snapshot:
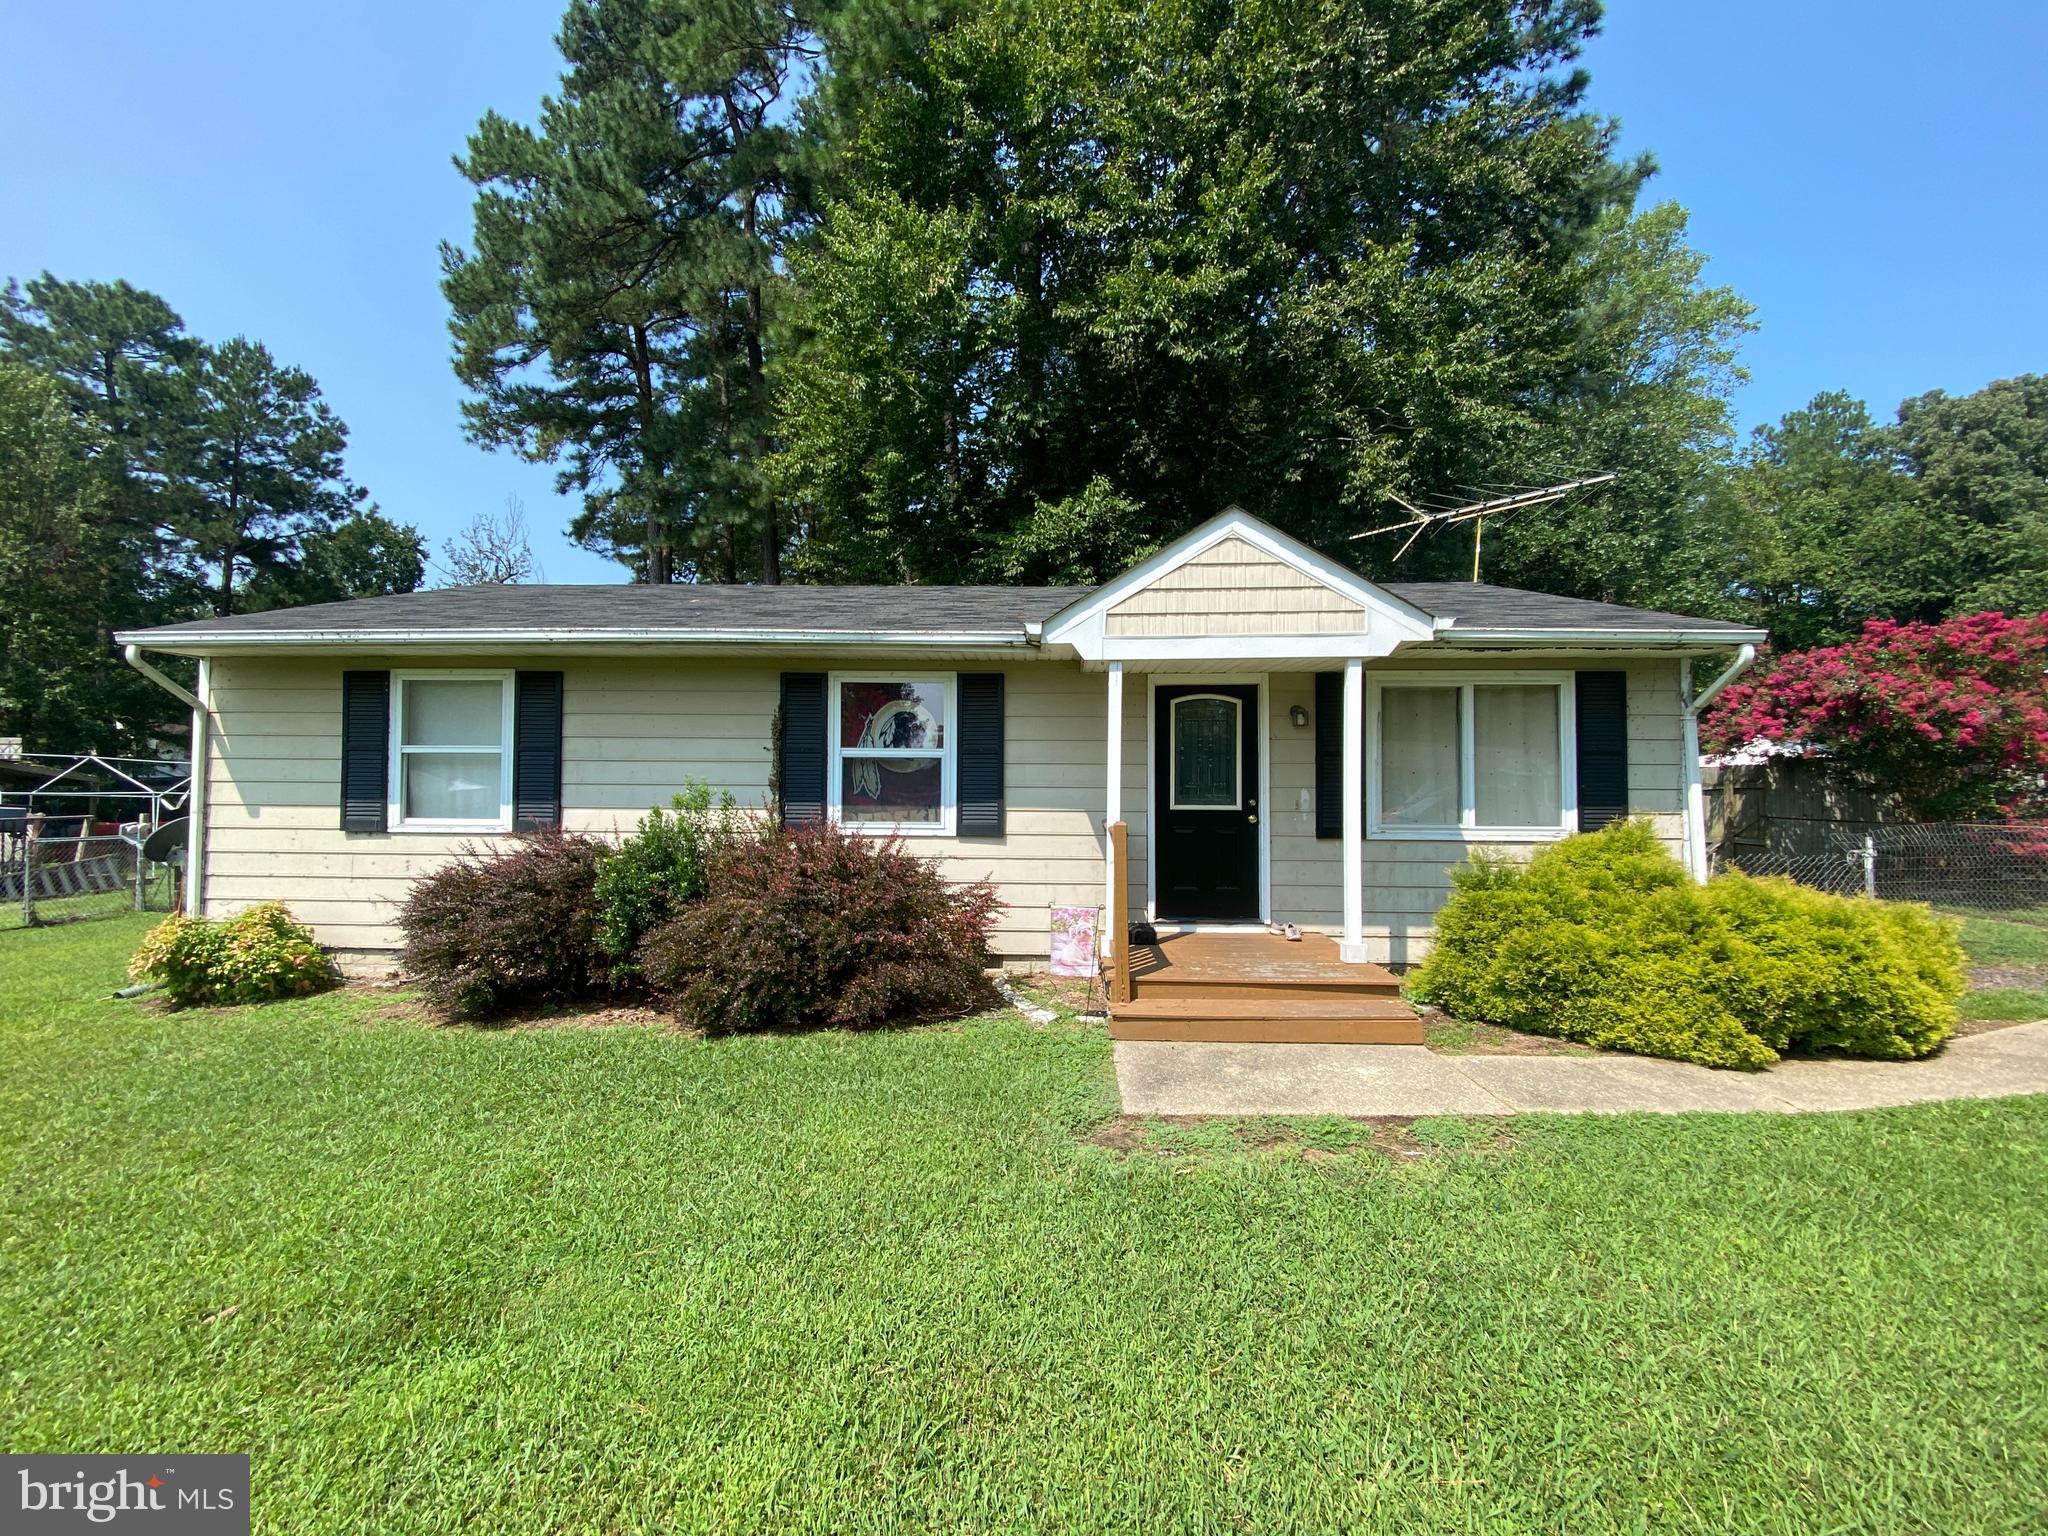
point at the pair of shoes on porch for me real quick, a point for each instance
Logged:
(1286, 931)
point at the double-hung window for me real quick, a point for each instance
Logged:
(451, 751)
(893, 763)
(1471, 756)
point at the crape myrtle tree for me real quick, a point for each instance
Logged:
(1951, 717)
(615, 311)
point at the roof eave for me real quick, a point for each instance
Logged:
(1667, 639)
(205, 642)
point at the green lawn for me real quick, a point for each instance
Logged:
(2015, 942)
(612, 1280)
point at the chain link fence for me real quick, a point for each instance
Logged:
(1974, 866)
(79, 873)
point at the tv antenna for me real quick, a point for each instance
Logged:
(1431, 512)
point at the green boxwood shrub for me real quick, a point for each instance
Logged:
(1605, 939)
(256, 956)
(666, 862)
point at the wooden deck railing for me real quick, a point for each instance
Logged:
(1119, 916)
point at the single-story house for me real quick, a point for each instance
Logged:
(1256, 734)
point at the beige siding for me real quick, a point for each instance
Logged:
(632, 732)
(1234, 588)
(1405, 882)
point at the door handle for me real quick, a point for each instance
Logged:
(1254, 820)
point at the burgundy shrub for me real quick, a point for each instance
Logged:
(507, 927)
(820, 928)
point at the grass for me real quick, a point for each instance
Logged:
(2016, 944)
(616, 1280)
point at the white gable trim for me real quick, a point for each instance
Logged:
(1390, 622)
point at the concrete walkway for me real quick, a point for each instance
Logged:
(1167, 1078)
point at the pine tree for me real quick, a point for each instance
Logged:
(616, 309)
(259, 468)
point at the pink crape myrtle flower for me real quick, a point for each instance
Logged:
(1951, 717)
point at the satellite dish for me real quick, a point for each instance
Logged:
(166, 845)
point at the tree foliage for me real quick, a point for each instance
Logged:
(1841, 519)
(184, 479)
(1950, 717)
(614, 311)
(1172, 256)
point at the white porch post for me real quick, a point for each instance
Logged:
(1353, 949)
(1113, 800)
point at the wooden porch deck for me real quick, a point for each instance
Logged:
(1259, 987)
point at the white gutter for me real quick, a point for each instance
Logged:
(132, 654)
(195, 798)
(1695, 793)
(1719, 639)
(185, 641)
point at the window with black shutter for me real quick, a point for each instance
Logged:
(981, 754)
(537, 751)
(1602, 699)
(800, 762)
(365, 750)
(1329, 727)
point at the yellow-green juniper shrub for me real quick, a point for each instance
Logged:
(1604, 939)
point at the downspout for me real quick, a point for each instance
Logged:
(1695, 793)
(195, 800)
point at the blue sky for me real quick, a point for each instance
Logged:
(1868, 173)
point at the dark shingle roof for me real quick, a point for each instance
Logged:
(598, 611)
(1476, 605)
(825, 610)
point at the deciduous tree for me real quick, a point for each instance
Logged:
(1950, 717)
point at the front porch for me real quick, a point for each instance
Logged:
(1253, 987)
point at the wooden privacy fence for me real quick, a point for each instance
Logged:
(1789, 808)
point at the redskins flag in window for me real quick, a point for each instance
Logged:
(892, 743)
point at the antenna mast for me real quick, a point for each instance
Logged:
(1438, 513)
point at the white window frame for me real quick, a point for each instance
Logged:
(948, 755)
(1468, 828)
(395, 816)
(1173, 802)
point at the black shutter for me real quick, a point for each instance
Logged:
(365, 749)
(800, 770)
(1603, 748)
(1329, 754)
(537, 751)
(981, 754)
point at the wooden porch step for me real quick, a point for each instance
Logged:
(1269, 1020)
(1361, 981)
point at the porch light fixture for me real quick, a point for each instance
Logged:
(1299, 715)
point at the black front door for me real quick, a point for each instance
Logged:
(1206, 773)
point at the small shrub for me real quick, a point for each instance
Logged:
(1606, 940)
(507, 927)
(256, 956)
(665, 863)
(823, 928)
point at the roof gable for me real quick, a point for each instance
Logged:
(1232, 584)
